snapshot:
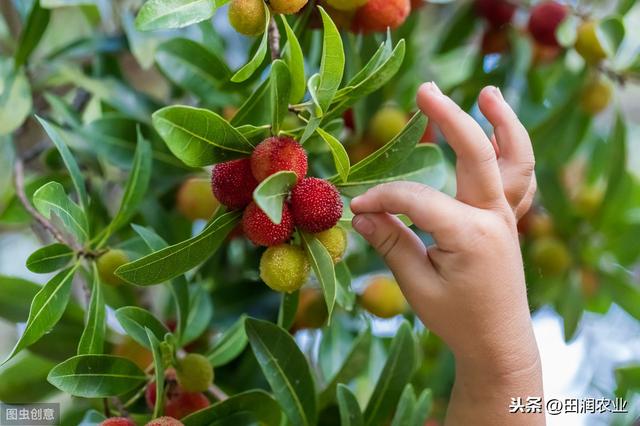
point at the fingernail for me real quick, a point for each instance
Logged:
(363, 225)
(497, 93)
(435, 88)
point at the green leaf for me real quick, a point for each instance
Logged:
(250, 407)
(15, 97)
(286, 369)
(177, 259)
(229, 345)
(162, 14)
(288, 308)
(96, 376)
(422, 409)
(193, 67)
(136, 321)
(200, 313)
(345, 296)
(458, 29)
(405, 408)
(32, 33)
(332, 63)
(256, 108)
(610, 32)
(295, 60)
(49, 258)
(92, 340)
(47, 308)
(25, 379)
(51, 198)
(199, 137)
(280, 92)
(350, 413)
(340, 156)
(16, 295)
(426, 165)
(397, 371)
(136, 187)
(158, 367)
(323, 267)
(58, 140)
(353, 364)
(272, 192)
(254, 63)
(92, 418)
(391, 154)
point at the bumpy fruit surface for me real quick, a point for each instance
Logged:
(284, 267)
(335, 241)
(386, 124)
(346, 5)
(496, 12)
(315, 205)
(261, 231)
(117, 421)
(247, 16)
(195, 200)
(312, 310)
(544, 20)
(195, 373)
(165, 421)
(550, 256)
(278, 154)
(596, 96)
(108, 263)
(383, 298)
(587, 43)
(378, 15)
(178, 402)
(233, 183)
(287, 6)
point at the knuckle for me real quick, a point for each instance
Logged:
(388, 245)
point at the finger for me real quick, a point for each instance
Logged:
(516, 153)
(478, 175)
(430, 210)
(401, 249)
(527, 200)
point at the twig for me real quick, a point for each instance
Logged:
(18, 178)
(218, 393)
(274, 39)
(105, 405)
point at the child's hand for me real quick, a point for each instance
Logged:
(469, 287)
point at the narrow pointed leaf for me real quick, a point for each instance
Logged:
(254, 63)
(350, 413)
(250, 407)
(51, 198)
(92, 340)
(163, 14)
(340, 156)
(323, 267)
(272, 192)
(405, 408)
(288, 308)
(15, 97)
(32, 32)
(229, 345)
(158, 367)
(136, 321)
(332, 63)
(280, 92)
(295, 60)
(49, 258)
(422, 409)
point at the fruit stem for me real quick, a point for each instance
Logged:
(217, 393)
(274, 39)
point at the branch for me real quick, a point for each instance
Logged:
(218, 393)
(18, 178)
(274, 39)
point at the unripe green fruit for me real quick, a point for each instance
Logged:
(588, 201)
(383, 298)
(550, 256)
(335, 241)
(194, 373)
(195, 200)
(596, 96)
(588, 45)
(386, 124)
(284, 267)
(287, 7)
(346, 5)
(108, 263)
(247, 16)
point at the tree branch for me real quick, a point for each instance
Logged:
(274, 40)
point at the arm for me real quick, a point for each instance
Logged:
(469, 286)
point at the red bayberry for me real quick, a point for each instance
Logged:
(117, 421)
(544, 20)
(233, 183)
(278, 154)
(496, 12)
(315, 205)
(262, 231)
(378, 15)
(165, 421)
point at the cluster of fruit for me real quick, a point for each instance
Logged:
(544, 20)
(313, 206)
(184, 389)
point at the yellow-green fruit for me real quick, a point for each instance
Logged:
(550, 256)
(383, 298)
(335, 241)
(386, 124)
(587, 43)
(195, 199)
(194, 373)
(596, 96)
(287, 6)
(284, 267)
(588, 200)
(108, 263)
(346, 5)
(247, 16)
